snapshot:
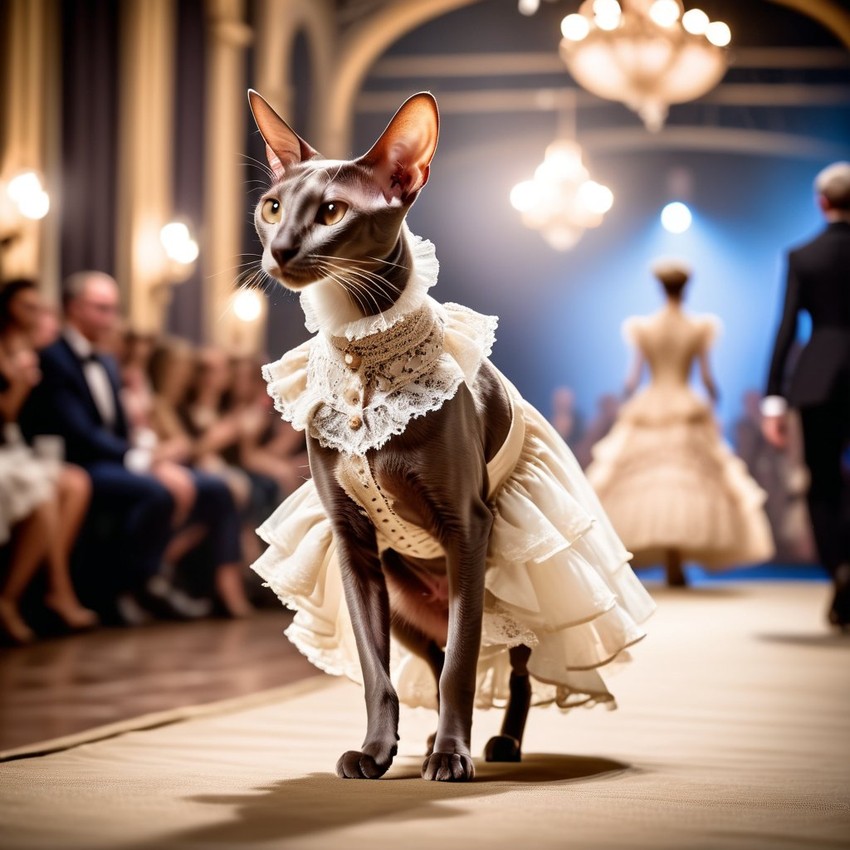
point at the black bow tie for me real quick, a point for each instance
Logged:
(92, 357)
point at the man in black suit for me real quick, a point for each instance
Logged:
(819, 282)
(78, 399)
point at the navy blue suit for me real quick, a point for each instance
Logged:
(132, 510)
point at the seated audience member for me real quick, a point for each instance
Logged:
(42, 500)
(269, 451)
(134, 351)
(214, 430)
(171, 369)
(78, 399)
(268, 445)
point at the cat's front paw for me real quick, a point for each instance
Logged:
(359, 765)
(448, 767)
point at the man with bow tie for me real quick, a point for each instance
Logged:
(78, 399)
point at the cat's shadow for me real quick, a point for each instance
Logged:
(321, 802)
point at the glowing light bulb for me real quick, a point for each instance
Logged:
(606, 14)
(23, 185)
(676, 217)
(247, 305)
(524, 196)
(695, 21)
(28, 195)
(595, 197)
(35, 206)
(178, 243)
(528, 7)
(718, 33)
(665, 13)
(575, 27)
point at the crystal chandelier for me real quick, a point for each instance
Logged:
(561, 201)
(647, 54)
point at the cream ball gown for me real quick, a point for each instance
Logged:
(664, 474)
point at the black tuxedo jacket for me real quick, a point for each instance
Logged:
(63, 404)
(818, 282)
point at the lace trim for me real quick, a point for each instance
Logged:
(352, 391)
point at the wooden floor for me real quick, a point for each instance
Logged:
(65, 685)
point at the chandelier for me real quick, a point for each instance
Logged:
(561, 201)
(646, 54)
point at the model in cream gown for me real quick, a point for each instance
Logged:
(671, 486)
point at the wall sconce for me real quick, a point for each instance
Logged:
(247, 305)
(28, 195)
(180, 249)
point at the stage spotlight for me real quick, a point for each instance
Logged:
(676, 217)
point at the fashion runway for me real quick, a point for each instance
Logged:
(733, 731)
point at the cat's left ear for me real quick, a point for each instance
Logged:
(401, 158)
(284, 147)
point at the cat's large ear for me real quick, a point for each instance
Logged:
(401, 158)
(284, 147)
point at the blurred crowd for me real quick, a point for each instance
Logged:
(134, 468)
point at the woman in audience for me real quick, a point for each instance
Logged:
(269, 451)
(134, 352)
(268, 446)
(171, 369)
(42, 501)
(215, 431)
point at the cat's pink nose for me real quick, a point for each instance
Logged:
(284, 255)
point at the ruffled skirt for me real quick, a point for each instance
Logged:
(558, 581)
(673, 483)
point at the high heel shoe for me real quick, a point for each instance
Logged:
(72, 615)
(13, 629)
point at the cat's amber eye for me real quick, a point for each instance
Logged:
(270, 211)
(331, 212)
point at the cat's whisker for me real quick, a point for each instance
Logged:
(357, 290)
(388, 263)
(365, 283)
(352, 292)
(251, 281)
(366, 275)
(260, 164)
(374, 281)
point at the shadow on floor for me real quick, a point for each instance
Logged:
(815, 639)
(320, 802)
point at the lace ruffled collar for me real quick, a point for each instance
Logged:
(318, 299)
(357, 384)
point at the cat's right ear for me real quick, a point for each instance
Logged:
(401, 158)
(284, 147)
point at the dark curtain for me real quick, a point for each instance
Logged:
(186, 314)
(89, 134)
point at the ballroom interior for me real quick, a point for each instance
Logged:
(127, 146)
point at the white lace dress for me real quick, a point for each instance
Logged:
(25, 480)
(558, 578)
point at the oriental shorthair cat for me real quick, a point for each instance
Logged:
(338, 225)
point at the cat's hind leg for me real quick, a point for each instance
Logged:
(507, 746)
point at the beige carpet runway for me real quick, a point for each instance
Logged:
(733, 731)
